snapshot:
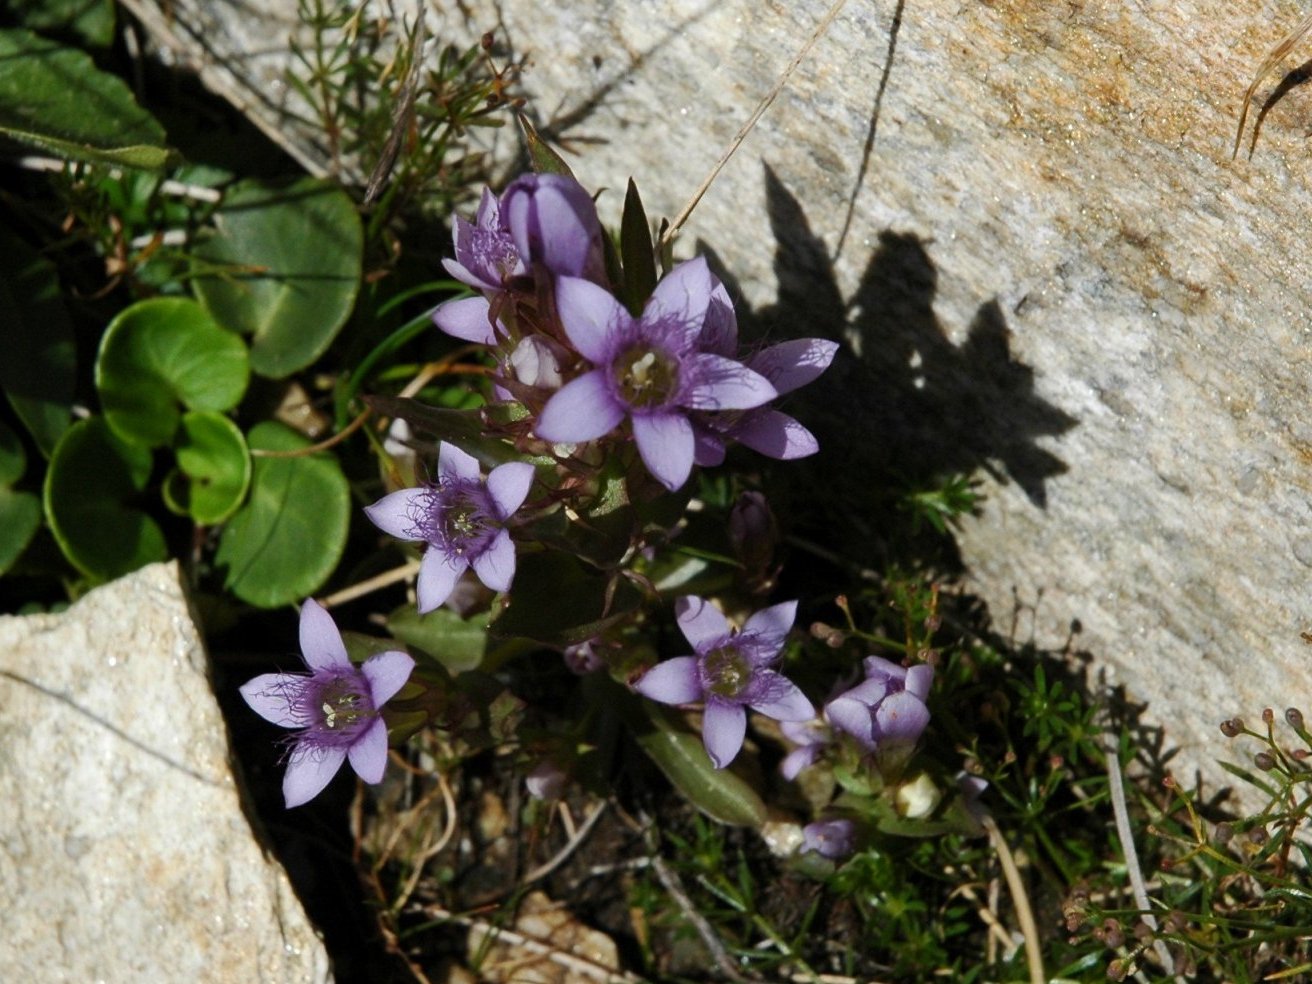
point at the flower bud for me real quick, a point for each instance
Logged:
(918, 798)
(1264, 761)
(546, 780)
(753, 533)
(1268, 715)
(553, 221)
(1231, 727)
(1295, 718)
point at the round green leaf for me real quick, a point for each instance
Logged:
(158, 354)
(283, 266)
(37, 369)
(93, 476)
(56, 99)
(20, 517)
(13, 460)
(214, 469)
(288, 537)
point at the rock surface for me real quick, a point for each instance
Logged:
(1025, 219)
(125, 854)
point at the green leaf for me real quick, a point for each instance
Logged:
(457, 644)
(90, 486)
(214, 469)
(557, 601)
(158, 354)
(542, 158)
(719, 793)
(20, 512)
(37, 369)
(20, 518)
(283, 266)
(90, 20)
(285, 542)
(636, 252)
(55, 99)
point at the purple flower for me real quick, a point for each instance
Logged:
(730, 671)
(833, 839)
(654, 370)
(336, 707)
(888, 707)
(462, 519)
(811, 738)
(541, 220)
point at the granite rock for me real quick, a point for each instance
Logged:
(125, 851)
(1025, 221)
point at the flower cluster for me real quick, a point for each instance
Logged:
(596, 370)
(669, 378)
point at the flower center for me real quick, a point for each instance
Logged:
(725, 671)
(342, 705)
(495, 251)
(458, 517)
(646, 377)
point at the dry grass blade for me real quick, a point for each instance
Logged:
(1265, 69)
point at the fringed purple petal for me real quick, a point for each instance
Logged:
(438, 574)
(495, 566)
(454, 464)
(394, 514)
(468, 319)
(590, 316)
(682, 297)
(720, 329)
(775, 435)
(773, 622)
(508, 485)
(310, 769)
(489, 210)
(321, 643)
(786, 702)
(368, 753)
(272, 696)
(581, 410)
(723, 384)
(387, 673)
(723, 729)
(789, 365)
(675, 681)
(701, 623)
(665, 444)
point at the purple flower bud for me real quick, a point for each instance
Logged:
(833, 839)
(753, 533)
(462, 519)
(553, 222)
(888, 707)
(730, 671)
(335, 707)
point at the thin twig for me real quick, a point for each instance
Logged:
(1272, 59)
(375, 583)
(546, 868)
(323, 445)
(1117, 786)
(580, 965)
(668, 235)
(1024, 914)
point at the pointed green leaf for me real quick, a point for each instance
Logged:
(162, 354)
(37, 369)
(636, 252)
(283, 266)
(93, 478)
(542, 158)
(287, 540)
(214, 469)
(55, 99)
(719, 793)
(90, 20)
